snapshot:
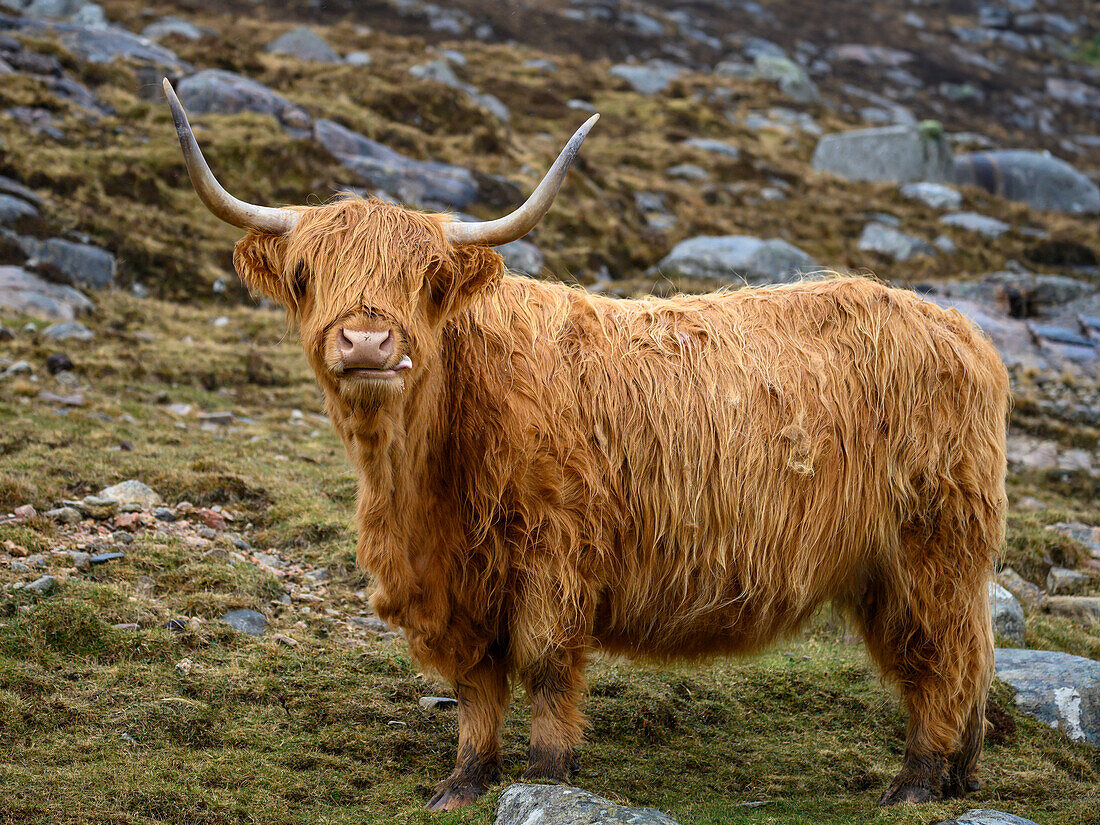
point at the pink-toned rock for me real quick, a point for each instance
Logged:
(211, 519)
(127, 521)
(25, 512)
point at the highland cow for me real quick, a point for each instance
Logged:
(544, 472)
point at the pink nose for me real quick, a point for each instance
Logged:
(365, 349)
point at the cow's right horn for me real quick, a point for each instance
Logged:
(231, 210)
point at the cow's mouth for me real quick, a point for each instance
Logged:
(398, 370)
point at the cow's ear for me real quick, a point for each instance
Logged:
(468, 270)
(258, 259)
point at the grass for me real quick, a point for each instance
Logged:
(101, 726)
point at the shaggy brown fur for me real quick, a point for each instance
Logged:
(562, 472)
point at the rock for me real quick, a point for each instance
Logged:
(164, 514)
(172, 26)
(731, 258)
(18, 368)
(18, 190)
(98, 507)
(1064, 582)
(933, 195)
(103, 44)
(441, 72)
(358, 58)
(1084, 533)
(58, 362)
(1023, 294)
(80, 264)
(893, 243)
(1028, 593)
(66, 330)
(18, 214)
(1038, 179)
(426, 183)
(791, 78)
(651, 78)
(897, 154)
(878, 56)
(986, 817)
(688, 171)
(103, 558)
(1058, 689)
(132, 491)
(64, 515)
(1082, 609)
(220, 92)
(71, 400)
(285, 640)
(717, 147)
(1008, 615)
(81, 561)
(246, 621)
(565, 805)
(437, 702)
(23, 292)
(42, 586)
(1010, 336)
(973, 222)
(372, 623)
(522, 256)
(304, 44)
(80, 10)
(317, 576)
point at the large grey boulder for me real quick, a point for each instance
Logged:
(24, 292)
(81, 264)
(788, 75)
(216, 91)
(565, 805)
(650, 78)
(441, 72)
(733, 258)
(522, 256)
(897, 154)
(426, 183)
(103, 44)
(1036, 178)
(893, 243)
(1056, 688)
(304, 44)
(1008, 615)
(985, 817)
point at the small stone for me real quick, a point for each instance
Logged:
(122, 538)
(986, 817)
(103, 558)
(268, 560)
(42, 586)
(64, 515)
(246, 621)
(177, 626)
(19, 368)
(164, 514)
(25, 512)
(126, 626)
(208, 533)
(317, 576)
(437, 702)
(99, 507)
(58, 362)
(285, 640)
(1061, 581)
(221, 419)
(68, 330)
(184, 666)
(131, 491)
(1008, 615)
(372, 623)
(973, 222)
(81, 561)
(933, 195)
(127, 521)
(1020, 587)
(213, 520)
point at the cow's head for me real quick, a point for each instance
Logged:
(369, 284)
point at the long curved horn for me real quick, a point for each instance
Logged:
(221, 203)
(519, 223)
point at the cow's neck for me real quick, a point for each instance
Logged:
(394, 451)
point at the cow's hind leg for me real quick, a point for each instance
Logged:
(554, 686)
(927, 624)
(482, 699)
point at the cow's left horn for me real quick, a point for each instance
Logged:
(519, 223)
(231, 210)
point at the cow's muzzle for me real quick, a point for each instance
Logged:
(370, 352)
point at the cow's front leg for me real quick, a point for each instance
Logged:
(482, 699)
(555, 687)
